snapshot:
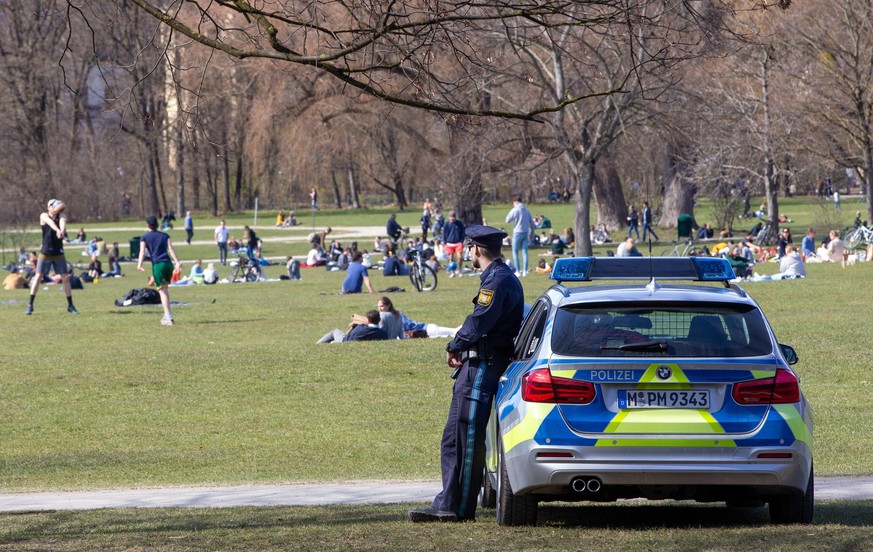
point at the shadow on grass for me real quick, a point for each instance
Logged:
(74, 524)
(643, 516)
(689, 527)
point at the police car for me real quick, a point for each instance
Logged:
(656, 390)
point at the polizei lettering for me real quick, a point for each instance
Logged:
(613, 375)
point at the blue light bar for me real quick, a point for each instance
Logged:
(572, 269)
(700, 269)
(713, 269)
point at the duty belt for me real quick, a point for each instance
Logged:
(470, 354)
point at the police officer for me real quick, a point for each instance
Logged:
(479, 353)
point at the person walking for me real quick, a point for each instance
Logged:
(425, 222)
(189, 227)
(53, 224)
(633, 222)
(479, 353)
(648, 219)
(221, 233)
(161, 250)
(524, 223)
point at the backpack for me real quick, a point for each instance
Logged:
(139, 296)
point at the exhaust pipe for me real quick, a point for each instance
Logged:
(593, 486)
(590, 485)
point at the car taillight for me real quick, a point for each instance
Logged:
(782, 388)
(539, 386)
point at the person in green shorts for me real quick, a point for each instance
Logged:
(161, 250)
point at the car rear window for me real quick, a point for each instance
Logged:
(659, 329)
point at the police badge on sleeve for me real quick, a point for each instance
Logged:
(485, 297)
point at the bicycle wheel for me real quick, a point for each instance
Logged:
(415, 277)
(252, 274)
(766, 236)
(235, 273)
(672, 252)
(853, 238)
(428, 279)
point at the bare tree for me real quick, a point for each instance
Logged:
(836, 37)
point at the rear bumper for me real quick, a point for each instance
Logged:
(660, 466)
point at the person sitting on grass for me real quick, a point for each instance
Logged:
(210, 275)
(315, 256)
(95, 269)
(627, 248)
(196, 274)
(835, 250)
(356, 276)
(791, 265)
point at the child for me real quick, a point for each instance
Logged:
(161, 250)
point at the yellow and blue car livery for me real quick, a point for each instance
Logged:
(613, 394)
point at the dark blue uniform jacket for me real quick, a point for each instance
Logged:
(499, 308)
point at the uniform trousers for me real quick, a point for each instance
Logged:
(462, 450)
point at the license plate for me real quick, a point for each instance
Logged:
(673, 398)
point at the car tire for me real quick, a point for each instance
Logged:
(512, 509)
(790, 509)
(488, 495)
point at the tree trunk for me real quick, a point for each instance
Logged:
(180, 167)
(469, 199)
(354, 199)
(336, 190)
(584, 188)
(771, 185)
(227, 196)
(867, 184)
(399, 192)
(195, 184)
(155, 206)
(156, 155)
(771, 191)
(238, 185)
(677, 189)
(609, 197)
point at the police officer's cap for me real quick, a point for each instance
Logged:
(485, 236)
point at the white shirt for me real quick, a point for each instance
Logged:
(221, 234)
(312, 257)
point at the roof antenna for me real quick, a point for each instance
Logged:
(652, 286)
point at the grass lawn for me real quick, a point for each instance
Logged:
(843, 525)
(238, 392)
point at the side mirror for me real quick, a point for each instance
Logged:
(789, 353)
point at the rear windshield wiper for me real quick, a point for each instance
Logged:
(654, 345)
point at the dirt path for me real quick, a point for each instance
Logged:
(352, 492)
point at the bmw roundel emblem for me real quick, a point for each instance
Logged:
(664, 372)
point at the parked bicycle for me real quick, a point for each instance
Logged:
(422, 276)
(245, 269)
(767, 236)
(685, 249)
(855, 236)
